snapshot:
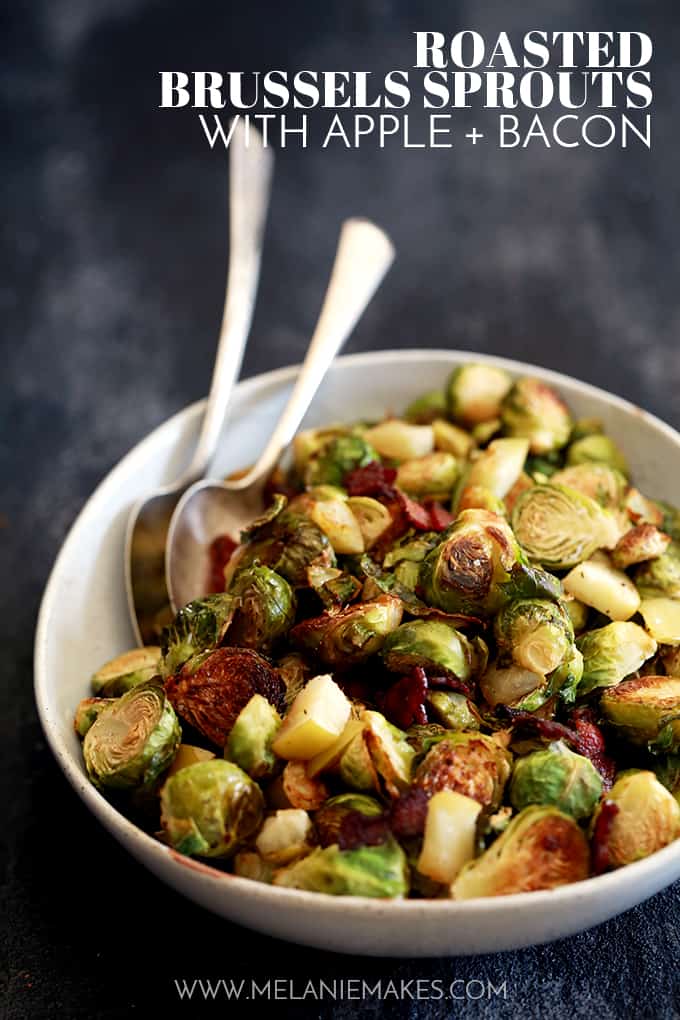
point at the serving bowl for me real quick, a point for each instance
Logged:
(84, 621)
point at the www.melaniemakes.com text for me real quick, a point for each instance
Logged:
(552, 89)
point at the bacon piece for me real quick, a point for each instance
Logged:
(590, 743)
(408, 813)
(357, 829)
(416, 514)
(440, 518)
(600, 843)
(404, 702)
(373, 479)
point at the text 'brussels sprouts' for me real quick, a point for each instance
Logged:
(133, 741)
(210, 808)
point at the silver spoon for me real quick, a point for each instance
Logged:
(211, 508)
(250, 175)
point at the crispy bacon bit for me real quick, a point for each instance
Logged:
(404, 702)
(373, 479)
(408, 813)
(440, 518)
(452, 683)
(600, 843)
(416, 514)
(220, 552)
(590, 743)
(357, 829)
(529, 724)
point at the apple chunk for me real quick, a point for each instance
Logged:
(450, 835)
(314, 721)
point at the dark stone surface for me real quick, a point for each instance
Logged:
(114, 247)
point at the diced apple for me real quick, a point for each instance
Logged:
(329, 758)
(188, 755)
(450, 835)
(314, 721)
(662, 619)
(400, 441)
(339, 524)
(606, 589)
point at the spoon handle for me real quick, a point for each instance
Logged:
(364, 255)
(250, 175)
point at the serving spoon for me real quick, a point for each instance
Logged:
(250, 175)
(210, 508)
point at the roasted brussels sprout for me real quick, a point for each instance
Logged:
(329, 510)
(249, 744)
(600, 449)
(293, 788)
(356, 767)
(450, 838)
(210, 808)
(598, 584)
(667, 771)
(578, 613)
(454, 710)
(559, 777)
(210, 691)
(531, 410)
(266, 608)
(376, 871)
(335, 588)
(432, 475)
(535, 634)
(475, 393)
(373, 519)
(646, 710)
(509, 685)
(289, 542)
(285, 836)
(295, 673)
(612, 653)
(336, 458)
(329, 818)
(133, 741)
(343, 637)
(200, 626)
(390, 751)
(469, 763)
(559, 527)
(660, 576)
(600, 482)
(479, 567)
(643, 542)
(542, 848)
(647, 818)
(126, 671)
(426, 409)
(436, 646)
(87, 711)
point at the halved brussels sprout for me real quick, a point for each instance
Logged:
(578, 613)
(295, 673)
(133, 741)
(432, 475)
(559, 527)
(612, 653)
(641, 510)
(597, 583)
(662, 619)
(600, 449)
(126, 671)
(533, 411)
(479, 567)
(249, 744)
(390, 751)
(475, 392)
(535, 634)
(542, 848)
(356, 767)
(285, 836)
(376, 871)
(87, 711)
(452, 439)
(210, 808)
(667, 771)
(645, 710)
(338, 456)
(372, 518)
(335, 588)
(308, 442)
(436, 646)
(454, 710)
(347, 636)
(661, 576)
(469, 763)
(600, 482)
(398, 440)
(499, 466)
(329, 818)
(266, 608)
(198, 627)
(509, 685)
(411, 549)
(293, 788)
(288, 541)
(556, 776)
(647, 819)
(426, 409)
(450, 838)
(641, 543)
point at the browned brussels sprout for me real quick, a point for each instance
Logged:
(469, 763)
(343, 637)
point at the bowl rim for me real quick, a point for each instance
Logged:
(143, 844)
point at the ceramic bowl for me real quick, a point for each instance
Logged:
(83, 622)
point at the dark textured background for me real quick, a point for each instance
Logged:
(114, 246)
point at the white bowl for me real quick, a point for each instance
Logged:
(83, 622)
